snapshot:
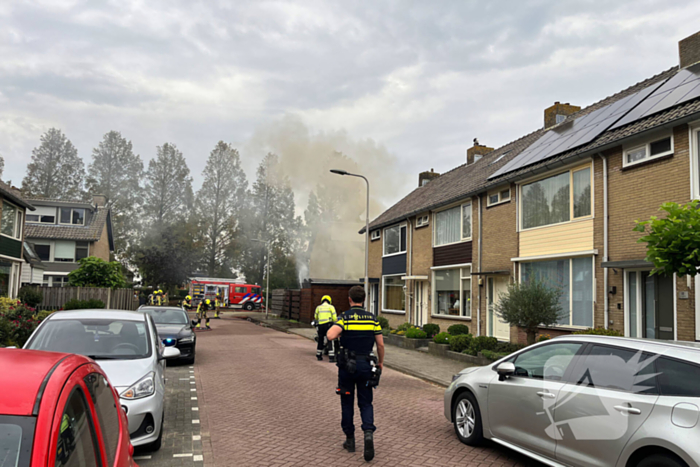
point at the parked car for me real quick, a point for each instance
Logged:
(586, 400)
(174, 329)
(126, 345)
(59, 409)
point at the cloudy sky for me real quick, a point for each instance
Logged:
(415, 80)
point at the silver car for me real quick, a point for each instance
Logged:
(126, 346)
(586, 400)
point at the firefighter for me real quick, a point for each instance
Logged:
(152, 298)
(325, 316)
(187, 303)
(204, 306)
(217, 301)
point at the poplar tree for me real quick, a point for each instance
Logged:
(55, 170)
(168, 187)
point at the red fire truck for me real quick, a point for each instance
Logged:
(235, 292)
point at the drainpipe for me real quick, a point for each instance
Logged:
(409, 229)
(478, 311)
(606, 296)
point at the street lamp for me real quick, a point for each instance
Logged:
(267, 273)
(345, 172)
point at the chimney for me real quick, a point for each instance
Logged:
(558, 113)
(425, 177)
(476, 152)
(99, 200)
(689, 50)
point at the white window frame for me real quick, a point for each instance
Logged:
(461, 224)
(400, 252)
(571, 171)
(693, 134)
(19, 222)
(422, 221)
(375, 235)
(571, 283)
(384, 308)
(71, 215)
(498, 193)
(640, 298)
(462, 277)
(55, 220)
(647, 147)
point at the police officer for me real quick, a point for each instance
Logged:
(358, 331)
(325, 316)
(202, 308)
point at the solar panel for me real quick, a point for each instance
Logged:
(682, 87)
(575, 133)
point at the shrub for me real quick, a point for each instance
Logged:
(543, 337)
(75, 304)
(507, 347)
(393, 331)
(431, 329)
(42, 315)
(601, 332)
(16, 324)
(400, 333)
(383, 322)
(96, 272)
(460, 342)
(480, 343)
(30, 296)
(491, 355)
(404, 327)
(442, 338)
(385, 331)
(415, 333)
(457, 329)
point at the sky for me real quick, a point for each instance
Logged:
(414, 81)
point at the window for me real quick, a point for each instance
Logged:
(57, 281)
(107, 412)
(546, 362)
(72, 216)
(678, 378)
(241, 290)
(395, 240)
(376, 235)
(394, 298)
(652, 150)
(619, 369)
(81, 250)
(574, 277)
(560, 118)
(5, 279)
(64, 251)
(453, 225)
(550, 201)
(422, 221)
(43, 252)
(76, 440)
(453, 292)
(43, 215)
(500, 196)
(11, 221)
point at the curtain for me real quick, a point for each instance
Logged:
(556, 275)
(582, 193)
(9, 215)
(466, 221)
(394, 297)
(447, 228)
(447, 292)
(582, 292)
(546, 201)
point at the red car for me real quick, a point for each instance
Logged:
(59, 409)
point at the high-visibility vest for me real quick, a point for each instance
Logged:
(325, 313)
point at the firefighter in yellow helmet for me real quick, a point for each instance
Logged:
(204, 306)
(324, 317)
(152, 298)
(187, 303)
(218, 301)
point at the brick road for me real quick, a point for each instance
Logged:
(265, 401)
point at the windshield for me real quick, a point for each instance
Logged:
(167, 316)
(95, 338)
(256, 290)
(16, 435)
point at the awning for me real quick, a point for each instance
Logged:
(414, 278)
(629, 264)
(491, 273)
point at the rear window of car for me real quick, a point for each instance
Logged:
(677, 378)
(16, 435)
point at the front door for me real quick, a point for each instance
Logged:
(497, 328)
(649, 305)
(421, 303)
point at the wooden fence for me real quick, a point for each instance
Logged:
(286, 303)
(114, 299)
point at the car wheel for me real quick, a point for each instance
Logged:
(155, 445)
(661, 460)
(191, 359)
(467, 419)
(249, 306)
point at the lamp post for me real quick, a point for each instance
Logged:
(344, 172)
(267, 273)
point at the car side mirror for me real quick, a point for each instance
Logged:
(171, 352)
(505, 370)
(193, 323)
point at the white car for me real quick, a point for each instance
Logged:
(126, 346)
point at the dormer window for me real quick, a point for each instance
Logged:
(72, 216)
(651, 150)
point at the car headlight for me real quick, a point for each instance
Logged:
(454, 377)
(142, 388)
(186, 340)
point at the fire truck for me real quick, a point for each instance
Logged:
(236, 293)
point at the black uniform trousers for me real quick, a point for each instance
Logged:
(356, 383)
(322, 331)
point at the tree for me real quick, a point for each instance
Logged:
(55, 171)
(116, 173)
(673, 242)
(219, 205)
(168, 191)
(529, 305)
(2, 165)
(96, 272)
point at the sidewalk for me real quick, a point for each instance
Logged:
(415, 363)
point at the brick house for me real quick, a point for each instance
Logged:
(63, 231)
(12, 231)
(558, 204)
